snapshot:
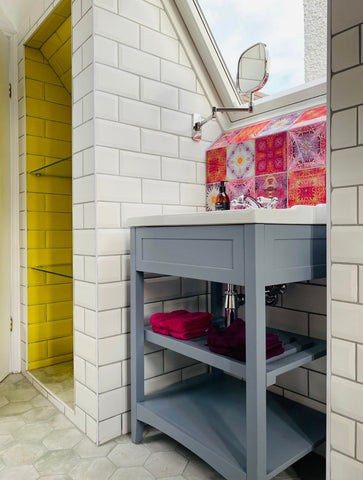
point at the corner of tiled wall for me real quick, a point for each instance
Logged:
(346, 232)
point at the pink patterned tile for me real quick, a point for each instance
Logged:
(280, 124)
(216, 165)
(307, 146)
(307, 187)
(313, 115)
(273, 185)
(249, 133)
(225, 139)
(236, 188)
(241, 160)
(271, 154)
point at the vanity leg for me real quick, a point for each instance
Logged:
(217, 303)
(137, 342)
(255, 353)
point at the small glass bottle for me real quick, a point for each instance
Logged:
(222, 200)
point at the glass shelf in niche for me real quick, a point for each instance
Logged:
(63, 270)
(60, 168)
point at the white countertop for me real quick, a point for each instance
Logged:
(299, 215)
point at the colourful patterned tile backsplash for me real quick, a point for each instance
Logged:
(283, 158)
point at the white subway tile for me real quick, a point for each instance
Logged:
(113, 241)
(344, 16)
(176, 122)
(105, 51)
(343, 358)
(91, 377)
(115, 27)
(342, 434)
(317, 386)
(192, 194)
(77, 216)
(90, 269)
(360, 273)
(78, 267)
(178, 75)
(106, 160)
(109, 323)
(360, 190)
(140, 12)
(139, 62)
(139, 113)
(346, 244)
(85, 294)
(347, 167)
(289, 320)
(106, 106)
(78, 318)
(90, 323)
(79, 366)
(173, 209)
(84, 242)
(159, 93)
(191, 150)
(344, 282)
(173, 361)
(359, 442)
(108, 215)
(318, 365)
(343, 97)
(112, 403)
(347, 321)
(109, 429)
(139, 165)
(91, 428)
(178, 170)
(345, 50)
(89, 214)
(107, 4)
(83, 136)
(88, 107)
(308, 402)
(344, 206)
(345, 467)
(86, 399)
(188, 303)
(344, 129)
(84, 189)
(161, 288)
(360, 363)
(159, 143)
(201, 173)
(129, 210)
(109, 269)
(112, 80)
(109, 377)
(85, 347)
(112, 349)
(360, 124)
(295, 380)
(159, 44)
(111, 295)
(190, 102)
(117, 135)
(347, 398)
(77, 113)
(305, 297)
(125, 268)
(118, 189)
(183, 58)
(77, 62)
(194, 371)
(82, 30)
(87, 52)
(154, 191)
(191, 286)
(162, 381)
(126, 376)
(153, 364)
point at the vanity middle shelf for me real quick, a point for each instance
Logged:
(299, 350)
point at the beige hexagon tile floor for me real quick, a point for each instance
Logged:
(38, 442)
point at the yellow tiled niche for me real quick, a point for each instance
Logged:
(49, 198)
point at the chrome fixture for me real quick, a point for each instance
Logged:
(251, 203)
(272, 293)
(252, 74)
(231, 305)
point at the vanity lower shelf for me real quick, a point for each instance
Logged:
(299, 350)
(207, 414)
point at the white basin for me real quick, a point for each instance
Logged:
(299, 215)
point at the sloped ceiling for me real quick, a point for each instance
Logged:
(53, 38)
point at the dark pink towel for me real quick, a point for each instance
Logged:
(183, 336)
(181, 321)
(241, 354)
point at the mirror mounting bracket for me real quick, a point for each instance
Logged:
(198, 122)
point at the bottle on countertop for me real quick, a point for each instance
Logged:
(222, 200)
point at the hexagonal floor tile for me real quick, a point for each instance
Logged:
(15, 408)
(38, 414)
(40, 401)
(132, 473)
(21, 394)
(56, 477)
(129, 455)
(159, 442)
(22, 454)
(60, 422)
(166, 464)
(32, 432)
(62, 439)
(27, 472)
(199, 470)
(58, 462)
(97, 469)
(87, 449)
(11, 425)
(3, 401)
(5, 440)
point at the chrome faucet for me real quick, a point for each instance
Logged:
(249, 202)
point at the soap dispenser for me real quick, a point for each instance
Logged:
(222, 200)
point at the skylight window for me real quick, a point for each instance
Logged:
(293, 30)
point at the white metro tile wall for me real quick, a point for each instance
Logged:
(346, 395)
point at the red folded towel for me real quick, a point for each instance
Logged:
(241, 354)
(181, 321)
(182, 336)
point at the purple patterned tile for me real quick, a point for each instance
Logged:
(280, 124)
(307, 146)
(236, 188)
(273, 185)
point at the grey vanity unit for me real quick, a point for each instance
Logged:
(227, 417)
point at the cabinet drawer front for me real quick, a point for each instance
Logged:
(210, 253)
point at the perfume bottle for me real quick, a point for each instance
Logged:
(222, 200)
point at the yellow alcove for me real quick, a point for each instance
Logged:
(48, 77)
